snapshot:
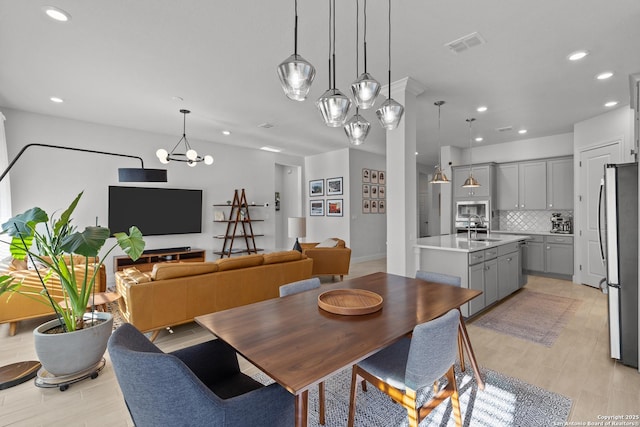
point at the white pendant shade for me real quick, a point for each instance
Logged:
(296, 75)
(365, 90)
(334, 107)
(357, 129)
(389, 114)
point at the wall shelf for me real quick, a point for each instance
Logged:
(239, 227)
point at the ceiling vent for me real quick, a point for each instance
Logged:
(505, 129)
(265, 125)
(465, 43)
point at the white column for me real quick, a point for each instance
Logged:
(402, 194)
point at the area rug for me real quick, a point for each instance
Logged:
(504, 402)
(532, 316)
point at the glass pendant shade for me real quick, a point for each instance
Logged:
(365, 90)
(334, 107)
(389, 114)
(357, 129)
(296, 75)
(471, 182)
(439, 177)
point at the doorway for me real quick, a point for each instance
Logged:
(288, 191)
(591, 269)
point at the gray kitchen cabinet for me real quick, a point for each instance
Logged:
(508, 274)
(533, 254)
(560, 183)
(507, 187)
(491, 282)
(476, 281)
(482, 173)
(559, 255)
(532, 185)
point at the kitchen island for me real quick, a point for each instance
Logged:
(489, 262)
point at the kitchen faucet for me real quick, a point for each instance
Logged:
(475, 226)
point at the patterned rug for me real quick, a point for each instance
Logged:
(532, 316)
(504, 402)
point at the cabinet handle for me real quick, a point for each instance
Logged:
(550, 205)
(548, 247)
(522, 206)
(516, 205)
(508, 259)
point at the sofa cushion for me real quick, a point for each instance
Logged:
(282, 256)
(171, 270)
(245, 261)
(136, 275)
(328, 243)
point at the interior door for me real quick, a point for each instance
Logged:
(591, 174)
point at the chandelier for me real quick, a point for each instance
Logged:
(189, 155)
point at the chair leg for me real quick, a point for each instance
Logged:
(455, 402)
(321, 402)
(154, 335)
(12, 328)
(364, 386)
(412, 412)
(460, 350)
(341, 277)
(352, 396)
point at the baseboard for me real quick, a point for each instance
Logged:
(372, 257)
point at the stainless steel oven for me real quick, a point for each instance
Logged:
(472, 213)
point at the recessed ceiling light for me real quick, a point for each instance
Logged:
(611, 104)
(481, 109)
(479, 139)
(577, 55)
(522, 131)
(56, 14)
(271, 149)
(56, 100)
(226, 132)
(604, 76)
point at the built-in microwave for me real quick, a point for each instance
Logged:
(472, 213)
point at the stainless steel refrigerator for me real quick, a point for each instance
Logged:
(619, 249)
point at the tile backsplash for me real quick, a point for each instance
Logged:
(526, 220)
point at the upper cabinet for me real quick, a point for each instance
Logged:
(560, 184)
(482, 173)
(535, 185)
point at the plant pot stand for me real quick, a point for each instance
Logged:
(17, 373)
(45, 379)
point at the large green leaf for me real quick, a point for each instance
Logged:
(65, 218)
(87, 243)
(24, 224)
(7, 285)
(132, 244)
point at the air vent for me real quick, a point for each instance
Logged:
(265, 125)
(466, 43)
(505, 129)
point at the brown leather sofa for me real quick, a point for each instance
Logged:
(15, 307)
(175, 293)
(333, 261)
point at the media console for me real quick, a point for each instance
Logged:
(152, 257)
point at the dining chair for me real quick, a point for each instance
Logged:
(194, 386)
(446, 279)
(409, 365)
(294, 288)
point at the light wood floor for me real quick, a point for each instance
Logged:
(577, 366)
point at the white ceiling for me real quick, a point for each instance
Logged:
(120, 62)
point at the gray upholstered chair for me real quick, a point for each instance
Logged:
(294, 288)
(195, 386)
(299, 286)
(411, 364)
(446, 279)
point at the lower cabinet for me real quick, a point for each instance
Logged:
(559, 258)
(491, 282)
(476, 281)
(508, 274)
(549, 254)
(533, 254)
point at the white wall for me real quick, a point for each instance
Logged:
(368, 232)
(322, 166)
(51, 178)
(615, 124)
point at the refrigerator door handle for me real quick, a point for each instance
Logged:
(611, 218)
(598, 224)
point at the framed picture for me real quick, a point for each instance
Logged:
(381, 206)
(366, 175)
(334, 207)
(374, 206)
(374, 191)
(382, 180)
(334, 186)
(316, 187)
(374, 177)
(316, 208)
(381, 191)
(366, 206)
(365, 191)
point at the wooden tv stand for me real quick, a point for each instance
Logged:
(147, 261)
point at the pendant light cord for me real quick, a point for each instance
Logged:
(365, 36)
(330, 45)
(389, 49)
(358, 38)
(334, 44)
(470, 148)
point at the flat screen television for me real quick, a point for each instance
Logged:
(155, 211)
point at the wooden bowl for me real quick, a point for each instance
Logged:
(350, 302)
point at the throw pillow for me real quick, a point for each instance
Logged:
(328, 243)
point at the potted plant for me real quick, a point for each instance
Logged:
(61, 344)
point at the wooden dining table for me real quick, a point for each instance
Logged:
(299, 344)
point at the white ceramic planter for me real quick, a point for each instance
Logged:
(71, 352)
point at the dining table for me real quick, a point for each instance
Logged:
(299, 344)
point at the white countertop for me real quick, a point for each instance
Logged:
(460, 243)
(537, 232)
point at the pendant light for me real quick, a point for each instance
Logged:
(333, 104)
(357, 127)
(470, 182)
(390, 112)
(365, 89)
(296, 74)
(189, 155)
(439, 177)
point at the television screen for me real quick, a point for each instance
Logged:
(155, 211)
